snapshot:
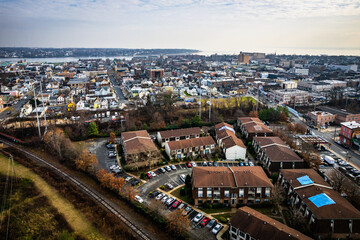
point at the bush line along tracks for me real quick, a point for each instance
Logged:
(85, 189)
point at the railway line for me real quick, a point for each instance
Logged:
(87, 190)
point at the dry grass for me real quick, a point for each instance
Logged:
(74, 217)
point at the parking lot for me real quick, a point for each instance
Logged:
(98, 147)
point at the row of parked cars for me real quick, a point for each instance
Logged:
(174, 203)
(215, 164)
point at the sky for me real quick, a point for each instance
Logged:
(224, 26)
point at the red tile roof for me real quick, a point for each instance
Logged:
(137, 142)
(230, 177)
(193, 142)
(180, 132)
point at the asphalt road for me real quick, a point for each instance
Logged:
(346, 153)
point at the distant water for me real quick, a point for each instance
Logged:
(288, 51)
(60, 59)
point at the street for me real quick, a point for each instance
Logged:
(348, 154)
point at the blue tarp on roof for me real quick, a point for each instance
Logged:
(304, 180)
(321, 200)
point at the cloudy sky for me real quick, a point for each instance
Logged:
(209, 25)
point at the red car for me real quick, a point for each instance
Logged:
(176, 203)
(205, 221)
(148, 175)
(188, 165)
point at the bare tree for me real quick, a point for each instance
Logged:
(337, 179)
(177, 222)
(277, 194)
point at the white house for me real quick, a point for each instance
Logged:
(232, 146)
(26, 110)
(102, 91)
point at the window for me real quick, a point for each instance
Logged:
(267, 192)
(208, 192)
(258, 190)
(242, 234)
(226, 193)
(200, 192)
(241, 192)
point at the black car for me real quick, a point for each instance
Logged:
(135, 182)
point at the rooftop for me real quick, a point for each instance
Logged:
(261, 227)
(351, 125)
(230, 177)
(180, 132)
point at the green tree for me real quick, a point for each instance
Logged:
(145, 126)
(188, 181)
(93, 129)
(196, 121)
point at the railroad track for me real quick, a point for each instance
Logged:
(141, 234)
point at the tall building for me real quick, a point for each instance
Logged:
(243, 58)
(350, 134)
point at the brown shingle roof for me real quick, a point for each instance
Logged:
(192, 142)
(291, 175)
(342, 209)
(137, 142)
(277, 150)
(262, 227)
(180, 132)
(224, 177)
(223, 124)
(254, 125)
(232, 140)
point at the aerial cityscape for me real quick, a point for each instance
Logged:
(157, 120)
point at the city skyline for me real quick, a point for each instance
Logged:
(307, 27)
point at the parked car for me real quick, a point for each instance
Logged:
(187, 210)
(205, 221)
(182, 205)
(215, 164)
(135, 182)
(170, 201)
(204, 164)
(251, 164)
(165, 198)
(160, 196)
(162, 170)
(193, 164)
(176, 204)
(148, 175)
(217, 228)
(209, 164)
(152, 174)
(169, 186)
(139, 199)
(110, 146)
(211, 223)
(154, 194)
(115, 166)
(182, 177)
(167, 168)
(188, 165)
(172, 167)
(128, 179)
(198, 217)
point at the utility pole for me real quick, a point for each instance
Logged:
(257, 102)
(42, 98)
(210, 107)
(37, 115)
(200, 101)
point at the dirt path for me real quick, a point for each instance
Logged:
(74, 217)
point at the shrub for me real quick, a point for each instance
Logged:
(182, 192)
(162, 187)
(142, 175)
(222, 219)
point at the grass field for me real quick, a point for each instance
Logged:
(188, 199)
(73, 217)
